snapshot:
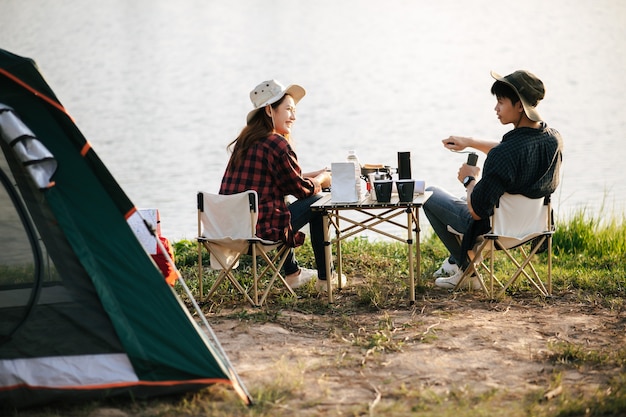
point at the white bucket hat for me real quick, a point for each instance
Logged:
(269, 92)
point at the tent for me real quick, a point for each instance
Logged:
(85, 313)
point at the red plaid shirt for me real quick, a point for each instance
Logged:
(271, 169)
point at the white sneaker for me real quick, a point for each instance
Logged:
(321, 284)
(450, 283)
(447, 269)
(305, 275)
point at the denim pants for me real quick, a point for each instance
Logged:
(443, 209)
(301, 214)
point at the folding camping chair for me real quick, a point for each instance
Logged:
(227, 230)
(516, 222)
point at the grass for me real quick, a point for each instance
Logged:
(589, 261)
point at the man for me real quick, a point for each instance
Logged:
(527, 161)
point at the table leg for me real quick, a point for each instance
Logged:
(338, 250)
(328, 251)
(409, 241)
(418, 248)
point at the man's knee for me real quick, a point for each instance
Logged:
(438, 198)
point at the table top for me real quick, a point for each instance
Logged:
(326, 202)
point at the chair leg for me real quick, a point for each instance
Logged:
(273, 265)
(492, 256)
(490, 270)
(227, 272)
(535, 280)
(281, 255)
(218, 281)
(549, 254)
(255, 277)
(200, 270)
(472, 269)
(493, 278)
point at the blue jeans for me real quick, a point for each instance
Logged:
(301, 214)
(443, 209)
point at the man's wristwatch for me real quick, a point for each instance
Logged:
(467, 180)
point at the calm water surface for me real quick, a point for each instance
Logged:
(159, 87)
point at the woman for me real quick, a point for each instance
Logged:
(263, 160)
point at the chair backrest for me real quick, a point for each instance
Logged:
(520, 217)
(228, 216)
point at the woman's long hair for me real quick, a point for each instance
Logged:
(259, 127)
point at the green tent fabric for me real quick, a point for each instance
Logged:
(85, 311)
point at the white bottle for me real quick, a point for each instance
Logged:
(360, 191)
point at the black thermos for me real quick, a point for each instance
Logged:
(404, 165)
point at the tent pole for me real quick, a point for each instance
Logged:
(240, 388)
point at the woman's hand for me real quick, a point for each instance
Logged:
(321, 176)
(324, 178)
(314, 173)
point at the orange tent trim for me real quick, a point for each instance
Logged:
(35, 92)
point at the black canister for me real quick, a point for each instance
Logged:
(404, 165)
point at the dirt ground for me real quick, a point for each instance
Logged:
(443, 344)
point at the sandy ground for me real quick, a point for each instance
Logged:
(446, 350)
(445, 343)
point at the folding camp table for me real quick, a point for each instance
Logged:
(376, 215)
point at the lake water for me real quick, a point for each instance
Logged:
(161, 87)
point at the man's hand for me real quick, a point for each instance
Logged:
(468, 171)
(456, 143)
